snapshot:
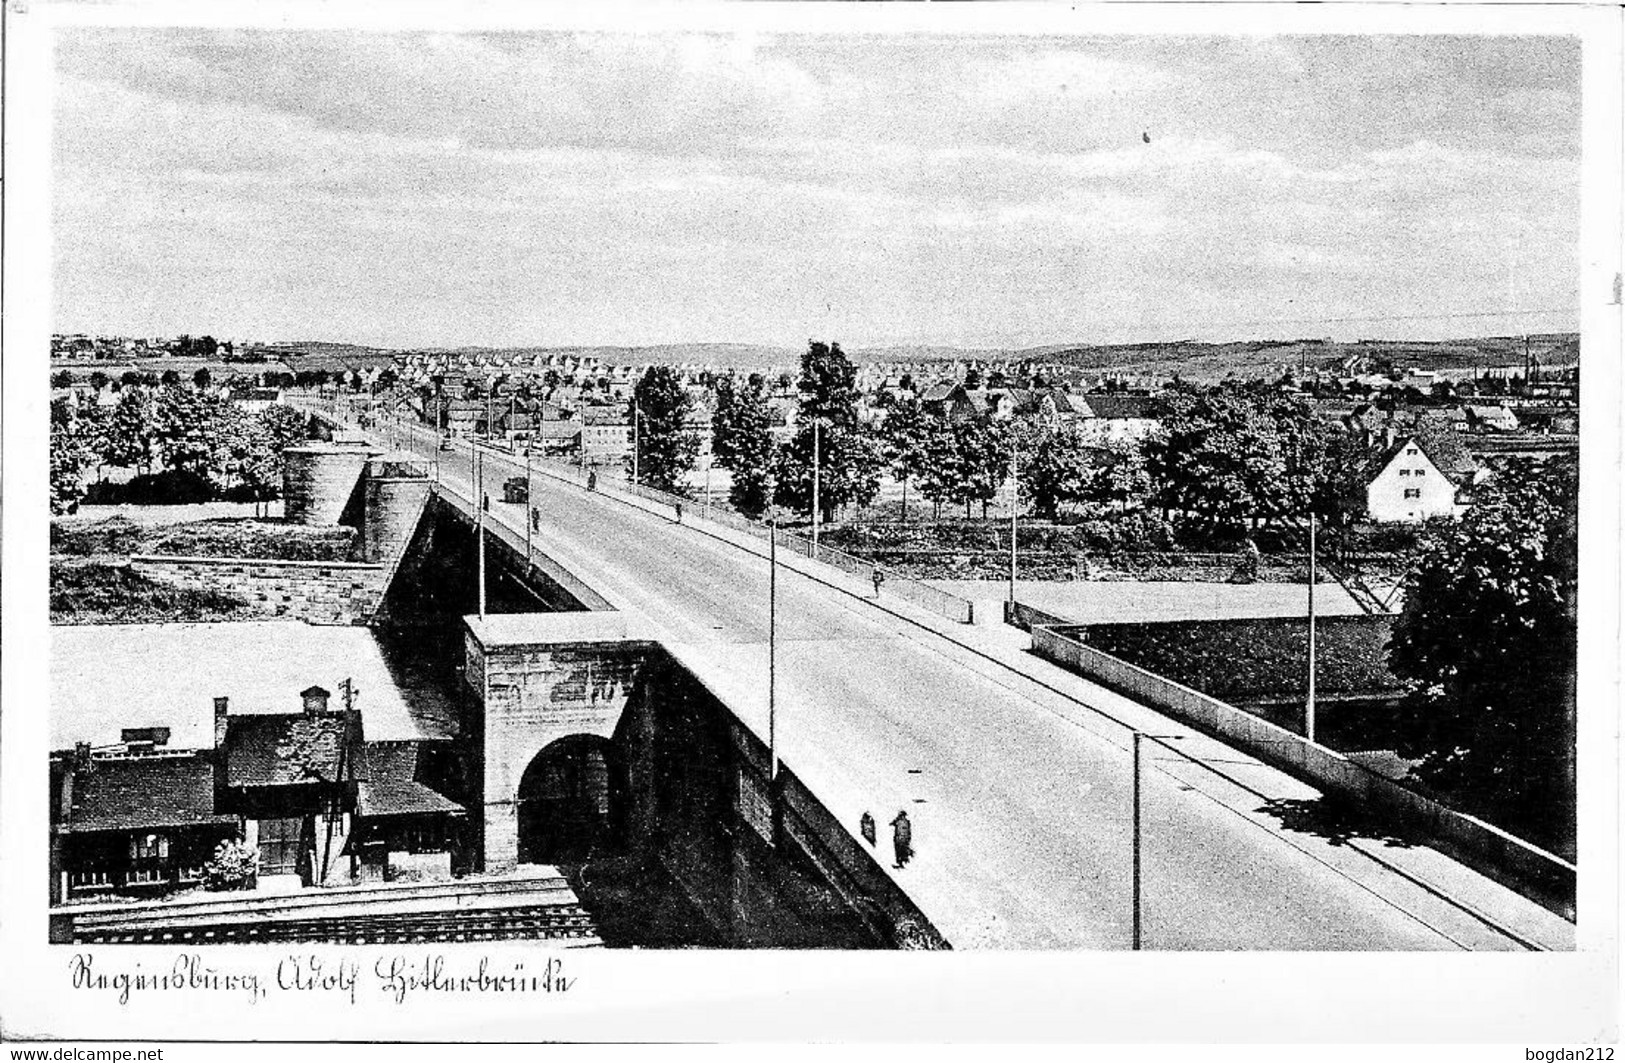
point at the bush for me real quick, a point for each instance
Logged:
(233, 866)
(170, 488)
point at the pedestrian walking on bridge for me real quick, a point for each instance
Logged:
(902, 839)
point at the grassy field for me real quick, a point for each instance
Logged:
(109, 592)
(119, 536)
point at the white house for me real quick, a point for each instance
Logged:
(1405, 485)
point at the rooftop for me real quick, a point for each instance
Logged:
(288, 748)
(168, 675)
(133, 793)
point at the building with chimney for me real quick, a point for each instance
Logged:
(316, 803)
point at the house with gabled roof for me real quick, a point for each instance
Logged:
(1406, 483)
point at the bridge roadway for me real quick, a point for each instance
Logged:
(1019, 794)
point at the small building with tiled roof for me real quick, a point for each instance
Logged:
(302, 789)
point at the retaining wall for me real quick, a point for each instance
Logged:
(318, 592)
(1532, 871)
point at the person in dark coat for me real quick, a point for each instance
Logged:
(902, 838)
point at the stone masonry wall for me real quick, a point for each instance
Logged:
(318, 592)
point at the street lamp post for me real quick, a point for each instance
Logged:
(817, 439)
(1015, 498)
(637, 417)
(479, 518)
(772, 635)
(1309, 704)
(1139, 737)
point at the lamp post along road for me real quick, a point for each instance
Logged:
(817, 439)
(772, 637)
(1015, 498)
(1139, 738)
(1309, 704)
(478, 459)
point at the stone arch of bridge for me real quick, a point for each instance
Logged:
(572, 801)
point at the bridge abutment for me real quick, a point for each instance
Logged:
(557, 681)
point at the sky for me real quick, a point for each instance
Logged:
(555, 188)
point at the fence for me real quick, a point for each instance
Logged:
(1537, 874)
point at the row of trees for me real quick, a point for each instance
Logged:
(1227, 456)
(203, 378)
(190, 432)
(849, 459)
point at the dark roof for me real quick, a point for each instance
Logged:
(280, 749)
(145, 792)
(389, 783)
(1446, 453)
(1118, 407)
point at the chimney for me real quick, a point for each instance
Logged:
(220, 722)
(81, 756)
(315, 700)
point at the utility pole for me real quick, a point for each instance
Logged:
(479, 518)
(772, 639)
(530, 504)
(1138, 737)
(1014, 500)
(1309, 706)
(817, 439)
(637, 415)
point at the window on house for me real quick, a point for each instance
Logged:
(1421, 472)
(1404, 472)
(149, 848)
(1413, 492)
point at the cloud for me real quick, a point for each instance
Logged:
(437, 188)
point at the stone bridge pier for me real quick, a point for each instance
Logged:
(562, 776)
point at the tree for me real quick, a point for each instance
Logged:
(187, 424)
(244, 454)
(665, 444)
(202, 378)
(1488, 639)
(743, 441)
(1237, 453)
(1052, 469)
(286, 426)
(724, 429)
(848, 470)
(1116, 476)
(99, 380)
(940, 470)
(848, 459)
(62, 378)
(828, 386)
(984, 461)
(130, 430)
(903, 438)
(67, 460)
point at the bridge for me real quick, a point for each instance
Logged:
(1019, 777)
